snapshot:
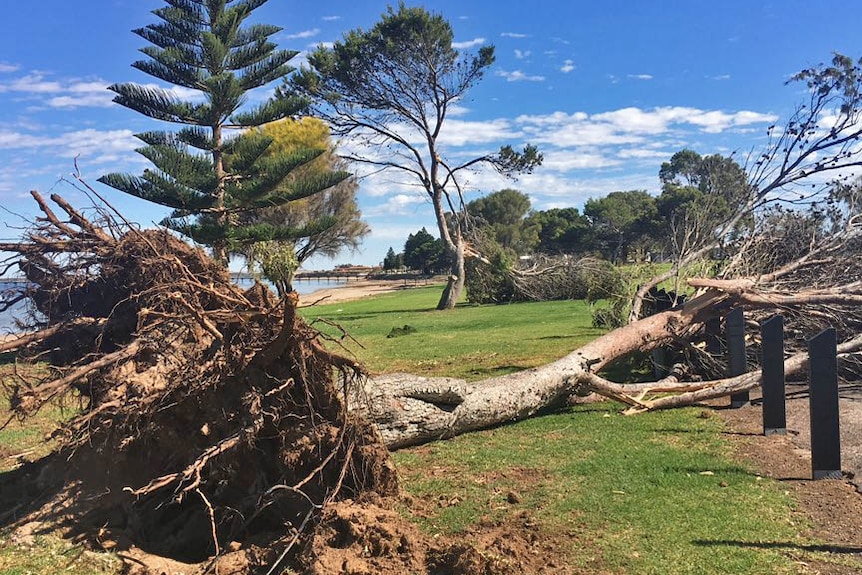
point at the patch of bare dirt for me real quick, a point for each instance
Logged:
(832, 508)
(370, 539)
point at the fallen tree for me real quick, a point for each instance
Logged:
(215, 423)
(801, 164)
(821, 288)
(213, 433)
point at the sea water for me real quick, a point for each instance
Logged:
(20, 310)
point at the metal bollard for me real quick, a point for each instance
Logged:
(823, 403)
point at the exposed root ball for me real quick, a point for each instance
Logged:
(214, 418)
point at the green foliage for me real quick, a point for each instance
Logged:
(393, 261)
(622, 222)
(502, 216)
(699, 196)
(408, 51)
(207, 178)
(425, 253)
(561, 231)
(491, 281)
(331, 216)
(276, 260)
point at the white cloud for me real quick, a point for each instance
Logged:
(514, 35)
(457, 110)
(331, 18)
(399, 204)
(521, 54)
(519, 76)
(7, 67)
(70, 93)
(86, 143)
(304, 34)
(640, 76)
(468, 44)
(463, 132)
(644, 154)
(548, 190)
(32, 84)
(629, 125)
(567, 160)
(720, 77)
(567, 66)
(95, 100)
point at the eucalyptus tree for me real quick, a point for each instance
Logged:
(391, 88)
(215, 168)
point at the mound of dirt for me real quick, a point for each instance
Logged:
(369, 539)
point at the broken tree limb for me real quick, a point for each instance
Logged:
(703, 391)
(20, 341)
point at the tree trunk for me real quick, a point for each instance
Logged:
(455, 281)
(410, 409)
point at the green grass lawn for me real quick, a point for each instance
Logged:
(653, 494)
(472, 342)
(657, 493)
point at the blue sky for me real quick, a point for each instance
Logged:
(608, 90)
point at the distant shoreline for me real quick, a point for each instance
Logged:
(357, 289)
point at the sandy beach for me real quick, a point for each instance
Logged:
(356, 289)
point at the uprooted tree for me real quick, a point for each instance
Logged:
(816, 147)
(215, 423)
(210, 414)
(816, 281)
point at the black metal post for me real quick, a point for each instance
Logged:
(823, 402)
(774, 409)
(735, 332)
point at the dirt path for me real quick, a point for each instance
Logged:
(832, 508)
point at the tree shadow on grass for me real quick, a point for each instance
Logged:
(821, 547)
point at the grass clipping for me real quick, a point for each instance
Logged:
(214, 420)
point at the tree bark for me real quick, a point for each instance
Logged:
(410, 410)
(455, 281)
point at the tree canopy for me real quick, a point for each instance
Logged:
(561, 231)
(620, 220)
(503, 215)
(425, 253)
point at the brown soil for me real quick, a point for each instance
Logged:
(831, 508)
(371, 539)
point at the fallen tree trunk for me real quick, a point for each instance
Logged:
(409, 410)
